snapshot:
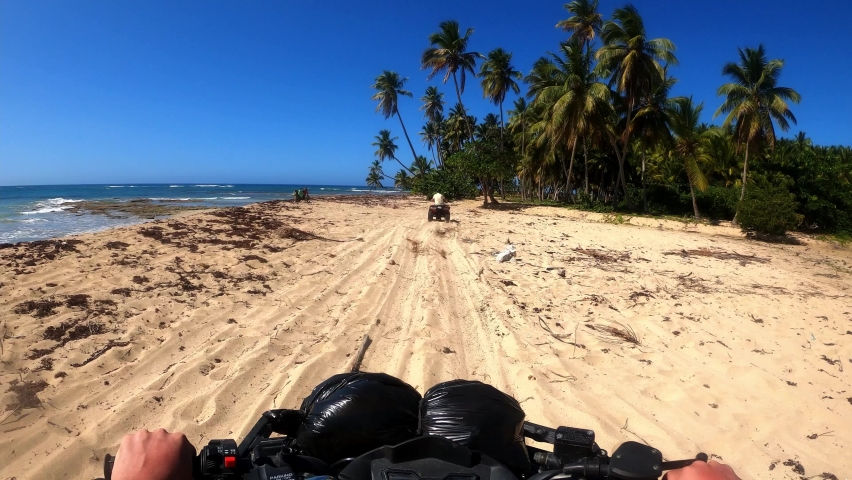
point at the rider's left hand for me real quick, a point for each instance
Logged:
(157, 455)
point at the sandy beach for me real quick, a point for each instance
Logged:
(686, 337)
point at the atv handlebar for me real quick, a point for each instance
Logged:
(575, 455)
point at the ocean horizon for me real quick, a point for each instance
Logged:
(39, 212)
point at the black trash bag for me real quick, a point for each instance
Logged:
(478, 416)
(352, 413)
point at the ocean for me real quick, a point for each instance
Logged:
(40, 212)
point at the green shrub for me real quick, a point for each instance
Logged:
(453, 185)
(587, 203)
(768, 211)
(717, 202)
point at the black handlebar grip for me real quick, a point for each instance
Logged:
(109, 462)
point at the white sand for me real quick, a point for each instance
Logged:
(735, 357)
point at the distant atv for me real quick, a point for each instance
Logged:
(439, 212)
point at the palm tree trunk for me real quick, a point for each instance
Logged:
(694, 204)
(742, 192)
(644, 191)
(571, 170)
(623, 158)
(502, 127)
(586, 165)
(403, 166)
(540, 183)
(406, 135)
(463, 112)
(484, 184)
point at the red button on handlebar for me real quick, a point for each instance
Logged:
(230, 462)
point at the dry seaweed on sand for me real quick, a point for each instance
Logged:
(693, 284)
(41, 308)
(416, 246)
(604, 256)
(618, 333)
(718, 254)
(97, 353)
(558, 336)
(26, 394)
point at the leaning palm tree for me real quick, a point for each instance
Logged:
(449, 54)
(420, 167)
(498, 78)
(634, 63)
(753, 100)
(685, 123)
(386, 147)
(389, 86)
(585, 23)
(402, 180)
(374, 178)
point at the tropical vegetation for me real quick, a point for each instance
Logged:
(593, 124)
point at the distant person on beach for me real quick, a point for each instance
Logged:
(160, 455)
(439, 199)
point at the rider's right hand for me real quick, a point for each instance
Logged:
(157, 455)
(712, 470)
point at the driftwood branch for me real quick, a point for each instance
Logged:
(359, 357)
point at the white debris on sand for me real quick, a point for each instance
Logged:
(507, 254)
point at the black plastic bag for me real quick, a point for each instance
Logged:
(352, 413)
(479, 416)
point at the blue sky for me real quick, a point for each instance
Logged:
(131, 91)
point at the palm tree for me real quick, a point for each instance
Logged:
(651, 122)
(498, 78)
(433, 103)
(374, 178)
(433, 110)
(421, 166)
(431, 135)
(386, 148)
(753, 100)
(402, 180)
(389, 86)
(449, 54)
(578, 106)
(517, 120)
(456, 127)
(586, 22)
(684, 120)
(633, 62)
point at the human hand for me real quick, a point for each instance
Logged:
(712, 470)
(157, 455)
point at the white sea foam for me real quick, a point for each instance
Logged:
(175, 186)
(235, 198)
(373, 191)
(50, 206)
